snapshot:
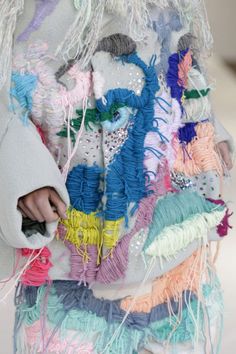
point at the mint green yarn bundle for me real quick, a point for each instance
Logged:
(174, 210)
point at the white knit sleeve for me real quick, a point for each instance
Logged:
(26, 165)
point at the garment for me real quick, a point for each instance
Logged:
(107, 102)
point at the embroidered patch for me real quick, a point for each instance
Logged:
(125, 178)
(176, 208)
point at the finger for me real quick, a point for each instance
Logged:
(227, 158)
(25, 210)
(47, 212)
(229, 164)
(22, 212)
(58, 203)
(31, 205)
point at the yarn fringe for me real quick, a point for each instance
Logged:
(175, 209)
(177, 237)
(186, 276)
(82, 38)
(189, 320)
(81, 229)
(199, 155)
(37, 272)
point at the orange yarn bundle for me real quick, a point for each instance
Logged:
(170, 286)
(199, 155)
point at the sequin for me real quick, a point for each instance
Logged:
(137, 243)
(113, 141)
(180, 181)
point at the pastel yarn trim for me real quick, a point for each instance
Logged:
(177, 237)
(23, 87)
(175, 208)
(199, 155)
(82, 229)
(182, 326)
(67, 297)
(172, 284)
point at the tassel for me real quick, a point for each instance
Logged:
(9, 11)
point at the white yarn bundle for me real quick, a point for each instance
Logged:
(9, 10)
(196, 110)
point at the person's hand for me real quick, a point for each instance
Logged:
(42, 205)
(223, 148)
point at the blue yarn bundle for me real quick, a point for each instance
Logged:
(187, 133)
(83, 187)
(125, 179)
(73, 296)
(24, 85)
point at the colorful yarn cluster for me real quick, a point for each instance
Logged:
(177, 237)
(117, 117)
(91, 116)
(83, 185)
(125, 178)
(167, 118)
(82, 229)
(168, 21)
(111, 233)
(117, 44)
(22, 91)
(175, 209)
(84, 265)
(36, 273)
(115, 267)
(74, 309)
(112, 120)
(196, 104)
(199, 154)
(224, 226)
(176, 78)
(85, 235)
(51, 111)
(171, 285)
